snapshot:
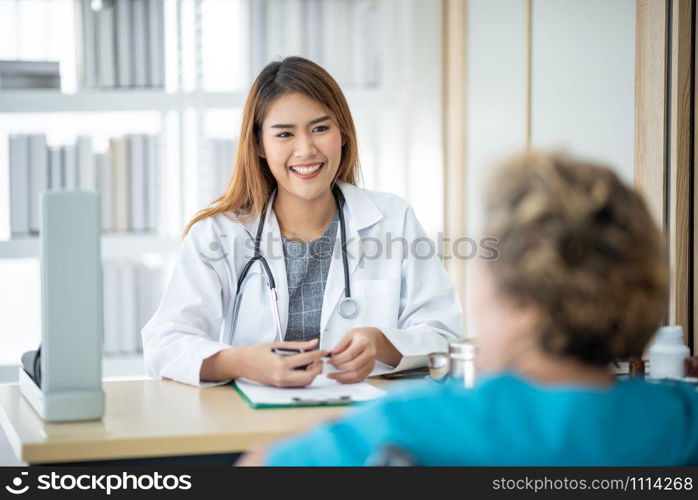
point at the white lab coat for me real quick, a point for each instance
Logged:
(410, 299)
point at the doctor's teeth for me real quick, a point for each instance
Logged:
(306, 170)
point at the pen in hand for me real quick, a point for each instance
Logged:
(281, 351)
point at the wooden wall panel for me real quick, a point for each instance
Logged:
(695, 188)
(679, 209)
(454, 113)
(650, 108)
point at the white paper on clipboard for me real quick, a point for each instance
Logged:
(322, 389)
(379, 368)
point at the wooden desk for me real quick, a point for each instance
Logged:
(151, 418)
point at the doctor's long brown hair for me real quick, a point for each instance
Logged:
(252, 182)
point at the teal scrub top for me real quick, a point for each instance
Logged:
(509, 420)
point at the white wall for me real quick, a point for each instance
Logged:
(410, 146)
(495, 93)
(495, 100)
(583, 79)
(582, 86)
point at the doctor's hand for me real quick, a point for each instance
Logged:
(357, 352)
(258, 363)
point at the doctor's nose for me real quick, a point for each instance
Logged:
(305, 147)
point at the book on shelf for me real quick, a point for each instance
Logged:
(86, 43)
(138, 177)
(156, 43)
(313, 31)
(132, 291)
(124, 42)
(29, 82)
(154, 184)
(372, 34)
(128, 178)
(258, 40)
(62, 167)
(361, 53)
(110, 304)
(39, 69)
(150, 288)
(139, 36)
(216, 170)
(344, 35)
(70, 167)
(19, 184)
(127, 299)
(121, 44)
(104, 186)
(118, 150)
(38, 177)
(340, 35)
(292, 19)
(106, 59)
(331, 49)
(135, 183)
(85, 163)
(55, 169)
(275, 30)
(29, 74)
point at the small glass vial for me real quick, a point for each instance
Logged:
(439, 365)
(462, 355)
(691, 366)
(636, 368)
(667, 353)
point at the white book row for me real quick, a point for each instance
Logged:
(19, 74)
(217, 169)
(120, 43)
(128, 177)
(132, 292)
(342, 36)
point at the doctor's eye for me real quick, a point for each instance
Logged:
(321, 128)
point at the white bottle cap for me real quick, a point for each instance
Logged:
(669, 335)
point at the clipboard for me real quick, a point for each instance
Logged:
(322, 392)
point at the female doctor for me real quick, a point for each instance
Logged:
(295, 256)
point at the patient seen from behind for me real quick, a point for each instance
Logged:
(580, 280)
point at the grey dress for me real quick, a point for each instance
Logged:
(307, 265)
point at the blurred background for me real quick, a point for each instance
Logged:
(141, 100)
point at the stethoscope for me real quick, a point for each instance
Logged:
(348, 307)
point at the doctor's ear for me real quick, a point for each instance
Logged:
(259, 149)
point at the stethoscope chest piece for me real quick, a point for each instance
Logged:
(348, 308)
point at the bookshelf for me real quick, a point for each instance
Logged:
(113, 245)
(39, 101)
(395, 105)
(113, 367)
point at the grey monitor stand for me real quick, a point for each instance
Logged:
(71, 293)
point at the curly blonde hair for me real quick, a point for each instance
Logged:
(582, 246)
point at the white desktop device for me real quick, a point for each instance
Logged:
(70, 386)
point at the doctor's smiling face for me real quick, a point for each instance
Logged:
(302, 145)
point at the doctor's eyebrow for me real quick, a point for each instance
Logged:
(311, 122)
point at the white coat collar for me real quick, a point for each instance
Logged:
(361, 212)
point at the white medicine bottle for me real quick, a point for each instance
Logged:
(667, 353)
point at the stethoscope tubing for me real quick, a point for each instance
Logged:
(258, 257)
